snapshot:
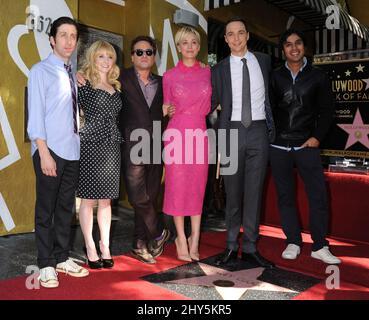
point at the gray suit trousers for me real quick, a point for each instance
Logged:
(244, 189)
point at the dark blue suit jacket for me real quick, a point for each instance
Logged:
(222, 91)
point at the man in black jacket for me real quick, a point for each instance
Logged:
(142, 106)
(302, 106)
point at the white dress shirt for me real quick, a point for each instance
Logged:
(50, 109)
(257, 87)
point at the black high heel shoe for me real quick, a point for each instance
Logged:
(98, 264)
(107, 263)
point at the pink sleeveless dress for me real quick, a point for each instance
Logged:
(185, 139)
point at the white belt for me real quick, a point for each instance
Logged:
(286, 148)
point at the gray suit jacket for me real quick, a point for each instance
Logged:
(222, 91)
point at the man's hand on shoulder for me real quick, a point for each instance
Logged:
(81, 80)
(203, 65)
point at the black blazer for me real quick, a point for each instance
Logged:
(135, 112)
(308, 112)
(222, 90)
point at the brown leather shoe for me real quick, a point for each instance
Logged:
(143, 255)
(156, 247)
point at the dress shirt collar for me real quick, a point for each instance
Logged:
(302, 68)
(248, 55)
(151, 76)
(55, 60)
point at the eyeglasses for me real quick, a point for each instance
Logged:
(140, 52)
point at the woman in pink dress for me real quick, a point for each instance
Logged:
(187, 87)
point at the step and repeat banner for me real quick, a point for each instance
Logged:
(348, 136)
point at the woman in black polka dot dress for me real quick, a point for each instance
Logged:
(101, 103)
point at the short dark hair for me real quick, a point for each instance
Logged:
(235, 19)
(58, 22)
(283, 38)
(148, 39)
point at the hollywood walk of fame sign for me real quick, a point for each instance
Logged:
(358, 131)
(238, 281)
(348, 135)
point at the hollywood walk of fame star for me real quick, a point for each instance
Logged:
(231, 285)
(348, 73)
(367, 83)
(358, 131)
(360, 68)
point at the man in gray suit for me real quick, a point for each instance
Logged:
(240, 87)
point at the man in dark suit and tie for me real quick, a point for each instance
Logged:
(240, 87)
(142, 105)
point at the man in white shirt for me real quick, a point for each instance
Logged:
(240, 86)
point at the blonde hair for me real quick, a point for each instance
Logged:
(89, 69)
(183, 32)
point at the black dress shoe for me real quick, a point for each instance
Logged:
(256, 258)
(108, 263)
(227, 256)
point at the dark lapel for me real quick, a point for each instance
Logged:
(263, 68)
(137, 86)
(158, 90)
(228, 78)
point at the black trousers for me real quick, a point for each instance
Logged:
(309, 166)
(244, 189)
(55, 198)
(143, 183)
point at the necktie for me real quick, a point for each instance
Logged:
(74, 96)
(246, 95)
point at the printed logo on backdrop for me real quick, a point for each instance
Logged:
(38, 17)
(350, 86)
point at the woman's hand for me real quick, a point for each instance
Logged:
(168, 110)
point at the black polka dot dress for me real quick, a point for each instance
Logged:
(100, 144)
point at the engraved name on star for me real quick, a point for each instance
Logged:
(240, 281)
(358, 131)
